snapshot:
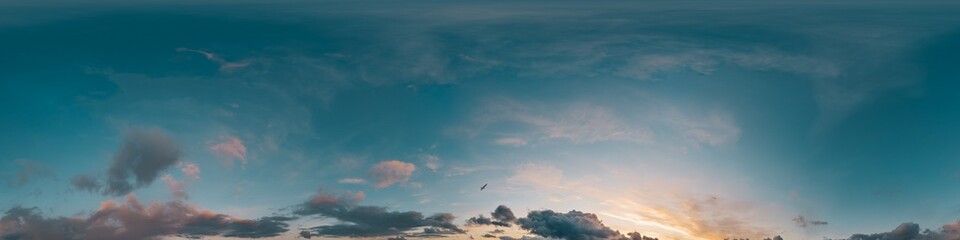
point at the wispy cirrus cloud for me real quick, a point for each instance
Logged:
(225, 66)
(25, 172)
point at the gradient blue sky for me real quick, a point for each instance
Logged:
(677, 119)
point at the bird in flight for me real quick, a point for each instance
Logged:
(484, 186)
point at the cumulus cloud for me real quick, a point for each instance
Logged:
(143, 154)
(387, 173)
(911, 231)
(133, 220)
(86, 183)
(26, 171)
(502, 216)
(357, 220)
(503, 213)
(573, 225)
(191, 170)
(230, 149)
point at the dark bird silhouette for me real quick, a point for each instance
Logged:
(484, 187)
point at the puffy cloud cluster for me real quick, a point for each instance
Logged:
(143, 154)
(356, 220)
(133, 220)
(911, 231)
(387, 173)
(502, 216)
(573, 225)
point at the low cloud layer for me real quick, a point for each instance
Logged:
(133, 220)
(911, 231)
(573, 225)
(368, 221)
(387, 173)
(143, 154)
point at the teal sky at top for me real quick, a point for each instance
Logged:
(843, 111)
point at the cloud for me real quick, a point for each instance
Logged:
(801, 221)
(26, 171)
(133, 220)
(352, 181)
(911, 231)
(502, 216)
(513, 142)
(356, 220)
(86, 183)
(503, 213)
(387, 173)
(142, 155)
(431, 161)
(573, 225)
(481, 220)
(225, 66)
(230, 149)
(176, 187)
(191, 170)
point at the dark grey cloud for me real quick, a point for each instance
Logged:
(26, 171)
(573, 225)
(133, 220)
(638, 236)
(802, 221)
(521, 238)
(481, 220)
(504, 214)
(911, 231)
(86, 183)
(489, 236)
(143, 154)
(368, 220)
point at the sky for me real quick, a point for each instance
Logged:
(383, 119)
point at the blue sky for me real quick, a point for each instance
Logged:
(674, 119)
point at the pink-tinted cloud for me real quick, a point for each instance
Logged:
(134, 220)
(191, 170)
(231, 149)
(175, 186)
(387, 173)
